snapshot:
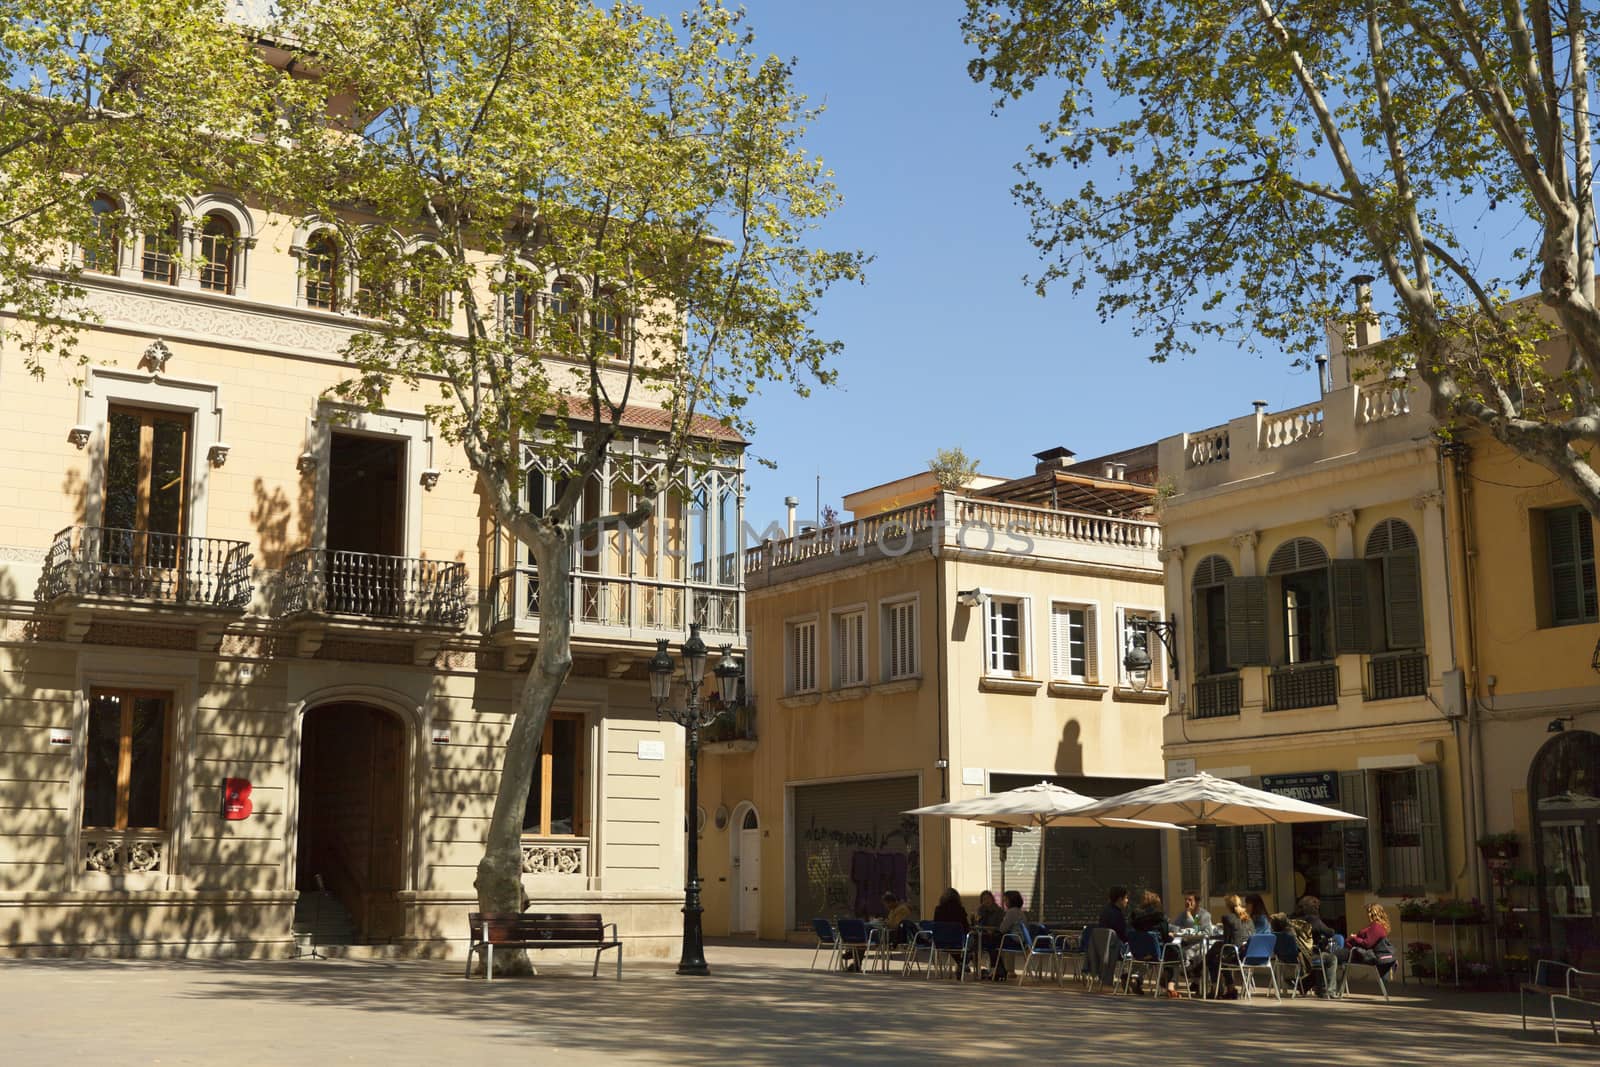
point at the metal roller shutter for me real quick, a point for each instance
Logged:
(852, 844)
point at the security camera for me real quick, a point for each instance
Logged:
(972, 598)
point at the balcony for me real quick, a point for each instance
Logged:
(1397, 674)
(1314, 685)
(1216, 697)
(98, 570)
(332, 589)
(617, 609)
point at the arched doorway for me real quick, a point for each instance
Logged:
(1564, 792)
(745, 842)
(351, 813)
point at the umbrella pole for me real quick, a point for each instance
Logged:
(1043, 845)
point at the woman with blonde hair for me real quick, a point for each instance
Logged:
(1370, 945)
(1236, 928)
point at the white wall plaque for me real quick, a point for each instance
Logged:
(1179, 768)
(972, 776)
(60, 736)
(652, 750)
(441, 737)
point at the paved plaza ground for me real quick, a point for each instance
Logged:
(761, 1006)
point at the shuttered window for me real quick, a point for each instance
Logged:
(802, 657)
(849, 648)
(1569, 534)
(1247, 621)
(1352, 607)
(899, 636)
(1211, 616)
(1395, 574)
(1006, 631)
(1074, 651)
(1406, 820)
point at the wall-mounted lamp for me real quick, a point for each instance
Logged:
(1558, 724)
(1137, 662)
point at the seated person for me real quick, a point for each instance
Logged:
(951, 910)
(896, 912)
(1260, 922)
(1149, 918)
(989, 913)
(1370, 945)
(1011, 922)
(1113, 916)
(1193, 916)
(1236, 929)
(1321, 966)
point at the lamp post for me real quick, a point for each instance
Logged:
(1137, 661)
(691, 717)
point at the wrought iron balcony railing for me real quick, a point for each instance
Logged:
(1314, 685)
(101, 561)
(1397, 674)
(1216, 696)
(616, 605)
(424, 592)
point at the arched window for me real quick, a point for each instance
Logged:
(1211, 616)
(607, 316)
(376, 275)
(563, 322)
(160, 260)
(323, 272)
(1300, 567)
(104, 245)
(1395, 571)
(520, 304)
(218, 245)
(427, 284)
(1564, 790)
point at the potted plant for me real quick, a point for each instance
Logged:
(1460, 911)
(1416, 909)
(1499, 846)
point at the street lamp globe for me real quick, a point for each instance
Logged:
(1137, 666)
(728, 671)
(661, 674)
(694, 658)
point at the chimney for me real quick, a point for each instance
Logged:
(1368, 330)
(1108, 471)
(1057, 458)
(791, 503)
(1122, 471)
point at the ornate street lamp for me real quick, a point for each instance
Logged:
(1137, 661)
(692, 716)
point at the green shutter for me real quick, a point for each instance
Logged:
(1435, 875)
(1352, 630)
(1247, 621)
(1353, 798)
(1403, 593)
(1566, 590)
(1199, 624)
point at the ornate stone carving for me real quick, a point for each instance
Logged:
(429, 478)
(156, 357)
(79, 435)
(1170, 554)
(540, 857)
(1246, 539)
(200, 316)
(1430, 498)
(123, 854)
(219, 454)
(1337, 519)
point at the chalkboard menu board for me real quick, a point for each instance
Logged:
(1255, 861)
(1357, 864)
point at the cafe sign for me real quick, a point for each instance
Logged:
(1316, 787)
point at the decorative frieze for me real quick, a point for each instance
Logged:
(117, 854)
(548, 857)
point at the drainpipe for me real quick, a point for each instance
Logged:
(1476, 810)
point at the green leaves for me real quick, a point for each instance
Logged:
(1240, 161)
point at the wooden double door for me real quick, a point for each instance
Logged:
(353, 812)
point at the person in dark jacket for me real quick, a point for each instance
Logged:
(1149, 918)
(1260, 920)
(1114, 915)
(1323, 962)
(950, 909)
(1236, 930)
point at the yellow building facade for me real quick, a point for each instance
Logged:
(937, 646)
(261, 651)
(1307, 571)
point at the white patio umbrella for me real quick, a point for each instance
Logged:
(1202, 801)
(1036, 807)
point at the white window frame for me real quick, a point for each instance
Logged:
(1024, 635)
(791, 629)
(1090, 675)
(1158, 651)
(847, 674)
(887, 635)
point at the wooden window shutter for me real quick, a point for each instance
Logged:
(1430, 819)
(1403, 593)
(1353, 798)
(1091, 644)
(1197, 624)
(1352, 630)
(1060, 640)
(1247, 621)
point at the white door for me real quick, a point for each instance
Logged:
(750, 874)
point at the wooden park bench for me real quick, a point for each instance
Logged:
(1563, 985)
(535, 931)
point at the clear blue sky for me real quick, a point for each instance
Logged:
(945, 345)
